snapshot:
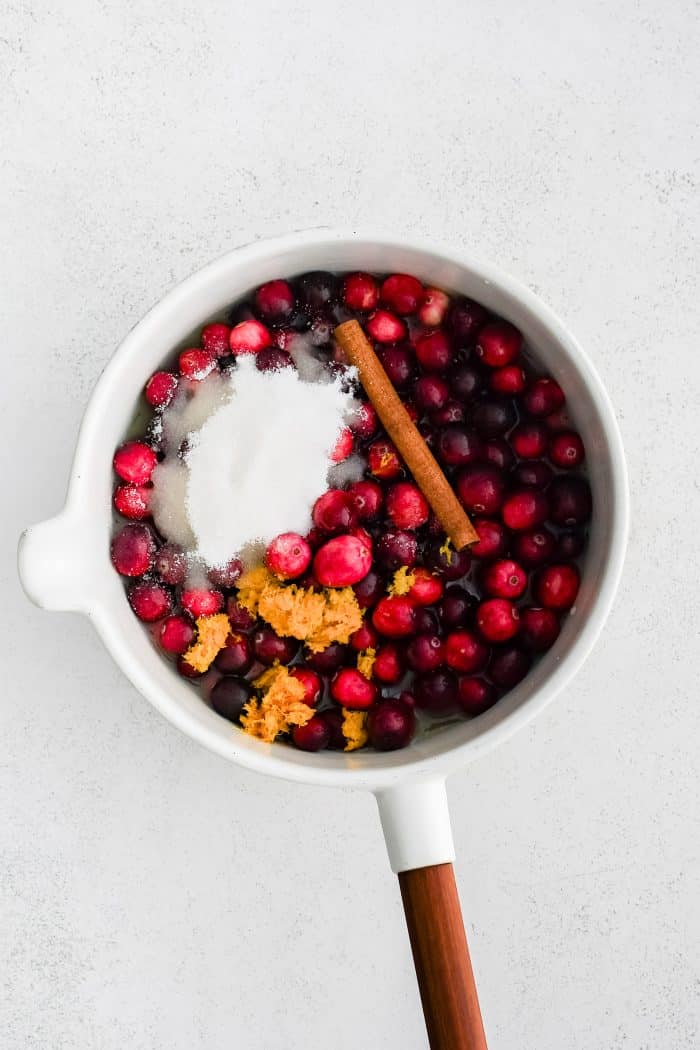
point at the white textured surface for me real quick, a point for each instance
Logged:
(154, 897)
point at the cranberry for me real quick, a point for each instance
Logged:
(539, 628)
(317, 289)
(385, 327)
(391, 725)
(171, 564)
(215, 339)
(497, 619)
(365, 637)
(407, 699)
(237, 655)
(466, 381)
(333, 720)
(425, 653)
(445, 560)
(199, 602)
(456, 607)
(571, 544)
(543, 397)
(431, 393)
(493, 538)
(268, 646)
(509, 380)
(225, 575)
(433, 309)
(493, 416)
(436, 692)
(288, 556)
(333, 511)
(465, 319)
(475, 695)
(534, 547)
(150, 601)
(176, 634)
(364, 537)
(529, 440)
(134, 462)
(249, 337)
(365, 422)
(131, 501)
(556, 586)
(498, 344)
(534, 474)
(239, 617)
(465, 652)
(196, 364)
(344, 445)
(365, 499)
(341, 562)
(272, 359)
(457, 446)
(360, 291)
(399, 364)
(406, 506)
(402, 293)
(570, 500)
(426, 589)
(313, 686)
(132, 550)
(351, 689)
(229, 696)
(509, 666)
(504, 579)
(566, 449)
(389, 667)
(329, 659)
(427, 432)
(524, 509)
(451, 412)
(160, 389)
(395, 548)
(240, 312)
(498, 453)
(369, 591)
(434, 351)
(185, 669)
(559, 420)
(425, 620)
(394, 616)
(321, 329)
(480, 488)
(274, 302)
(315, 735)
(383, 459)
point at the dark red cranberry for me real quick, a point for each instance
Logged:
(442, 558)
(570, 501)
(425, 620)
(134, 462)
(351, 689)
(534, 546)
(436, 692)
(529, 440)
(559, 420)
(498, 453)
(493, 416)
(196, 364)
(316, 289)
(333, 720)
(185, 669)
(456, 608)
(498, 344)
(394, 616)
(321, 329)
(383, 460)
(524, 509)
(198, 601)
(314, 736)
(431, 393)
(229, 696)
(504, 579)
(329, 659)
(160, 389)
(402, 293)
(171, 564)
(497, 619)
(369, 590)
(406, 506)
(480, 488)
(465, 652)
(508, 381)
(366, 499)
(407, 699)
(493, 538)
(466, 381)
(272, 359)
(385, 327)
(566, 449)
(389, 666)
(556, 586)
(509, 666)
(426, 588)
(475, 695)
(313, 686)
(428, 432)
(543, 397)
(274, 303)
(451, 412)
(399, 364)
(457, 445)
(534, 474)
(240, 312)
(225, 575)
(365, 422)
(365, 637)
(132, 501)
(434, 351)
(150, 601)
(341, 562)
(570, 544)
(334, 512)
(465, 319)
(425, 653)
(539, 628)
(249, 337)
(132, 550)
(176, 634)
(268, 646)
(237, 655)
(239, 617)
(391, 725)
(215, 339)
(360, 291)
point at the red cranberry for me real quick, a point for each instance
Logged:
(225, 575)
(383, 459)
(451, 412)
(534, 547)
(480, 488)
(329, 659)
(566, 449)
(365, 422)
(426, 588)
(237, 655)
(176, 634)
(399, 364)
(498, 453)
(394, 616)
(239, 617)
(314, 736)
(134, 462)
(360, 291)
(524, 509)
(402, 293)
(215, 339)
(343, 447)
(365, 499)
(333, 511)
(425, 653)
(475, 695)
(456, 608)
(433, 309)
(229, 696)
(391, 725)
(509, 666)
(132, 550)
(493, 416)
(539, 628)
(509, 380)
(272, 359)
(288, 556)
(559, 420)
(436, 692)
(556, 586)
(570, 544)
(543, 397)
(434, 351)
(466, 381)
(150, 601)
(498, 344)
(317, 289)
(493, 538)
(457, 446)
(364, 537)
(268, 646)
(185, 669)
(131, 501)
(534, 474)
(570, 500)
(529, 440)
(341, 562)
(160, 389)
(274, 302)
(171, 564)
(465, 652)
(431, 393)
(313, 686)
(497, 619)
(504, 579)
(389, 667)
(200, 602)
(351, 689)
(365, 637)
(445, 560)
(395, 548)
(249, 337)
(385, 327)
(465, 319)
(369, 591)
(196, 364)
(406, 506)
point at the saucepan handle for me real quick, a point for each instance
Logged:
(416, 825)
(54, 563)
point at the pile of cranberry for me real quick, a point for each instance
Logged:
(473, 621)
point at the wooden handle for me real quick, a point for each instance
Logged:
(441, 956)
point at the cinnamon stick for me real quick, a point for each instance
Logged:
(405, 435)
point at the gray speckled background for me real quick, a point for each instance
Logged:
(156, 898)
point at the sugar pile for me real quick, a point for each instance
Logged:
(247, 455)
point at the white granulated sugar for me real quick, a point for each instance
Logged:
(168, 501)
(351, 469)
